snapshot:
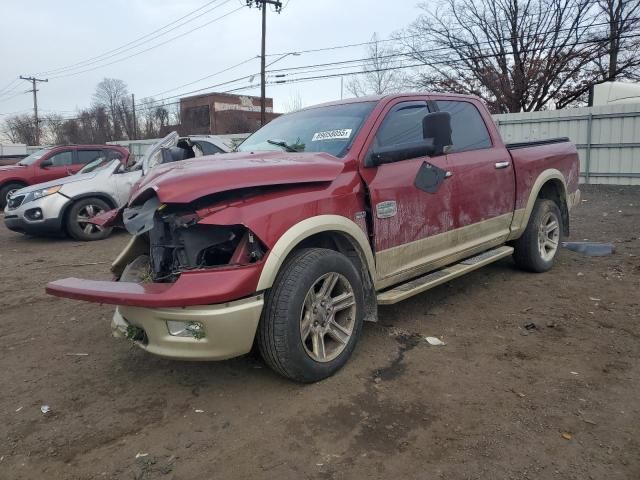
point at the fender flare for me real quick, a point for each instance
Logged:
(305, 229)
(521, 218)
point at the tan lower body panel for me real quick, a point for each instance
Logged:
(422, 284)
(398, 264)
(229, 329)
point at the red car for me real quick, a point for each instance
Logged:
(322, 215)
(52, 163)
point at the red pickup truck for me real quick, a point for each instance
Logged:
(320, 216)
(52, 163)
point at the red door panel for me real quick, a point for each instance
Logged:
(419, 214)
(482, 174)
(54, 166)
(481, 191)
(403, 214)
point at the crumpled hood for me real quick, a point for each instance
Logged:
(60, 181)
(186, 181)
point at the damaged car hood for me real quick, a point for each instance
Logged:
(184, 182)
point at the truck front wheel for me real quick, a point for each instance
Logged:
(536, 249)
(313, 315)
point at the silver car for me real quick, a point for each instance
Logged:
(67, 204)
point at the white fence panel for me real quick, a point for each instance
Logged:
(608, 138)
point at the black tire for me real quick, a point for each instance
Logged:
(279, 334)
(6, 190)
(82, 230)
(528, 253)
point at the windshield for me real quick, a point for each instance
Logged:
(324, 129)
(98, 164)
(34, 157)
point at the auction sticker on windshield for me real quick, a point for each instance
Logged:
(341, 134)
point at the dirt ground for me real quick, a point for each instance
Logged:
(497, 402)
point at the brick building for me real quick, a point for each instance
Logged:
(221, 113)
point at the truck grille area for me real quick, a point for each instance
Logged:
(177, 243)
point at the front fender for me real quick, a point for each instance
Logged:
(305, 229)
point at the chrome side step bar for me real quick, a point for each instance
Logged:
(433, 279)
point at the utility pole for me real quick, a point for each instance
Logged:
(135, 124)
(263, 87)
(33, 81)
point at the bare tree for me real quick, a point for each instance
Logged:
(294, 103)
(378, 76)
(519, 55)
(21, 129)
(109, 94)
(53, 129)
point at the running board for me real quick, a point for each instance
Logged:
(433, 279)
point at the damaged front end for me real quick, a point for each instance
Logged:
(176, 242)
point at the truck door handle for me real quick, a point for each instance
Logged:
(500, 165)
(448, 174)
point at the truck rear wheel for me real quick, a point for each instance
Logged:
(536, 249)
(313, 316)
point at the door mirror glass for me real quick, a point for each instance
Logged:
(46, 163)
(436, 129)
(397, 153)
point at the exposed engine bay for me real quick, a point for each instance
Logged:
(178, 243)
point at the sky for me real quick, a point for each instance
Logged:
(42, 37)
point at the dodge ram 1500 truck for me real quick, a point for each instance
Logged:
(320, 216)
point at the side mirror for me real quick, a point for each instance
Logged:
(46, 163)
(436, 127)
(436, 132)
(396, 153)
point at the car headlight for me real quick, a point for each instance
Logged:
(43, 192)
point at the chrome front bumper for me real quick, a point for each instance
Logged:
(229, 329)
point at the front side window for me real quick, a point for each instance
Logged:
(329, 129)
(468, 130)
(34, 157)
(402, 125)
(88, 156)
(62, 159)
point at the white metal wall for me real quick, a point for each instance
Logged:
(608, 138)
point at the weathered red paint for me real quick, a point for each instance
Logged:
(277, 190)
(198, 287)
(186, 181)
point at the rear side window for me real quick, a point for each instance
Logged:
(88, 156)
(113, 155)
(469, 131)
(402, 125)
(62, 159)
(208, 148)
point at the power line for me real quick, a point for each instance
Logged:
(4, 89)
(415, 65)
(206, 77)
(152, 47)
(343, 64)
(135, 41)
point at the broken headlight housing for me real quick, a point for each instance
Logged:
(177, 242)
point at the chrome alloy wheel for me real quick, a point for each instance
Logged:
(328, 317)
(87, 212)
(548, 236)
